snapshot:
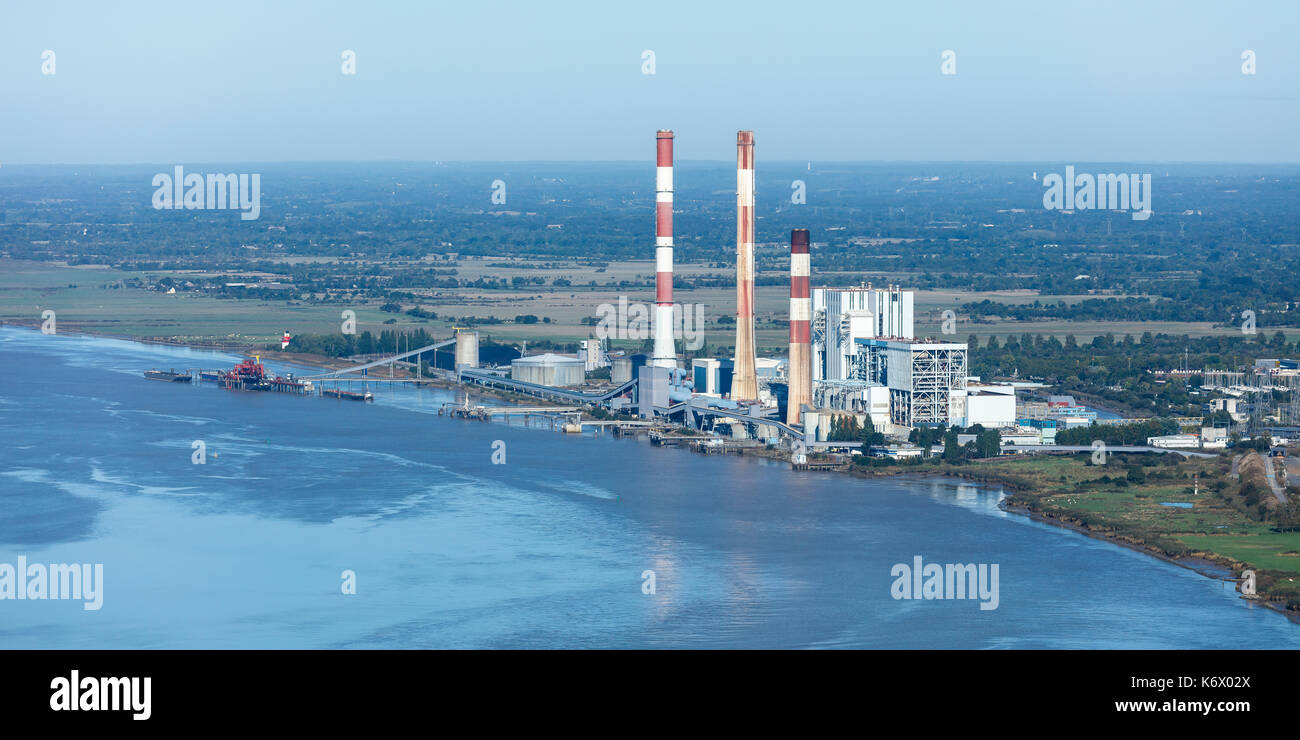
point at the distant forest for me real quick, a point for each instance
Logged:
(1222, 239)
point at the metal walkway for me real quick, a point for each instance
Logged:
(330, 374)
(710, 411)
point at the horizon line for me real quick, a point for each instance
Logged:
(726, 162)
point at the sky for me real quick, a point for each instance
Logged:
(1100, 81)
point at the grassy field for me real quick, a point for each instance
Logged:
(1101, 500)
(86, 299)
(92, 299)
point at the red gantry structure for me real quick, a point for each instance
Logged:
(665, 351)
(800, 369)
(744, 384)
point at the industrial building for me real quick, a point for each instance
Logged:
(548, 369)
(593, 354)
(866, 360)
(926, 379)
(841, 316)
(1175, 441)
(989, 405)
(856, 397)
(712, 377)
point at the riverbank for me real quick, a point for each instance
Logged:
(1209, 565)
(1161, 506)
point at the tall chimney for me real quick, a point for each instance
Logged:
(665, 351)
(800, 366)
(744, 384)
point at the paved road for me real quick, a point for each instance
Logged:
(1270, 469)
(1109, 449)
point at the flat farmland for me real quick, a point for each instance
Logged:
(95, 299)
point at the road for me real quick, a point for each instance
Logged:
(1109, 449)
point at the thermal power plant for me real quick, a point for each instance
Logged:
(842, 316)
(799, 370)
(665, 353)
(466, 348)
(745, 384)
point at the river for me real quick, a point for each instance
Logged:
(549, 549)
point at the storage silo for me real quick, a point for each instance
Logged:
(548, 369)
(467, 349)
(621, 371)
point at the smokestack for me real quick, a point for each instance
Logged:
(665, 352)
(800, 369)
(744, 384)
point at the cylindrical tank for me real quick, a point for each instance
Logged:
(548, 369)
(467, 349)
(621, 372)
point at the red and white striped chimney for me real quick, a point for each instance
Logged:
(665, 351)
(799, 371)
(744, 384)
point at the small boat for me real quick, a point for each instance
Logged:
(167, 376)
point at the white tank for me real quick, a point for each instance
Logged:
(467, 349)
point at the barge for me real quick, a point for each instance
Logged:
(251, 375)
(167, 376)
(347, 395)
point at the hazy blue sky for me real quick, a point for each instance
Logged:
(261, 81)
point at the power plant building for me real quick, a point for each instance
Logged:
(842, 316)
(926, 379)
(712, 377)
(990, 405)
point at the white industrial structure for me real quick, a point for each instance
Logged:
(593, 354)
(866, 360)
(856, 397)
(926, 379)
(466, 348)
(989, 405)
(841, 316)
(548, 369)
